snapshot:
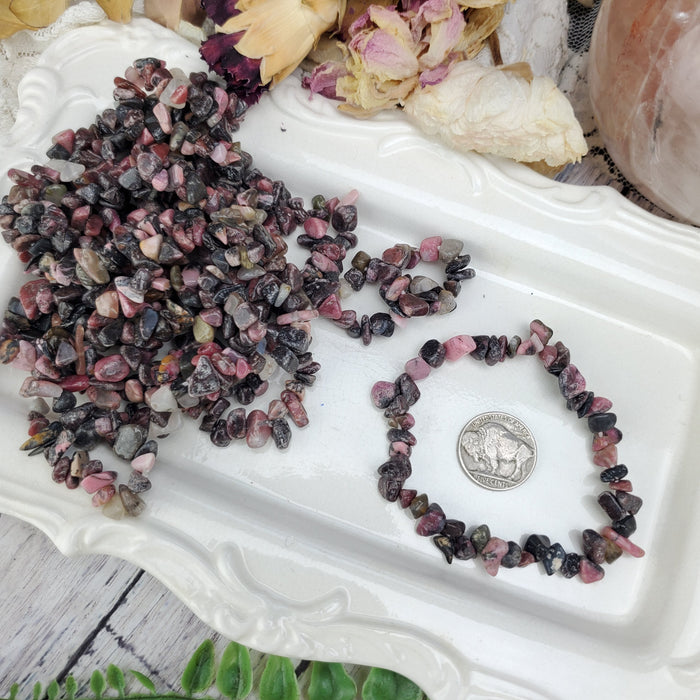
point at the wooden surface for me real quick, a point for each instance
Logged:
(62, 616)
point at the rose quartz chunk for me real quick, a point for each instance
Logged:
(143, 463)
(590, 572)
(458, 346)
(430, 248)
(417, 368)
(315, 228)
(94, 482)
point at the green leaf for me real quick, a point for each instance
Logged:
(278, 680)
(330, 681)
(36, 691)
(145, 681)
(97, 684)
(115, 677)
(200, 670)
(234, 678)
(71, 688)
(52, 690)
(14, 689)
(382, 684)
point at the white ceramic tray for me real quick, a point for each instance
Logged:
(295, 553)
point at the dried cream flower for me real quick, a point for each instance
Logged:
(281, 32)
(499, 111)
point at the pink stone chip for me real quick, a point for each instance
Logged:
(492, 553)
(622, 542)
(417, 368)
(329, 307)
(590, 572)
(315, 228)
(258, 430)
(544, 333)
(600, 405)
(143, 463)
(383, 393)
(398, 447)
(94, 482)
(430, 248)
(458, 346)
(103, 496)
(548, 355)
(603, 440)
(112, 368)
(607, 457)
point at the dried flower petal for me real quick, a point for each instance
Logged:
(117, 10)
(33, 14)
(281, 32)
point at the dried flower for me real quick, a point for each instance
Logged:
(500, 111)
(16, 15)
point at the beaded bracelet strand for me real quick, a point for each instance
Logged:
(449, 535)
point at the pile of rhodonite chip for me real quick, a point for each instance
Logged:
(157, 284)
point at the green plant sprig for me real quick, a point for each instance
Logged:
(231, 677)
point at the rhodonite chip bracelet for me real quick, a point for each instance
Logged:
(450, 535)
(161, 284)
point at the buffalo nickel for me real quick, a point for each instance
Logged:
(497, 451)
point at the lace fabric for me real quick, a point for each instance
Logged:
(553, 36)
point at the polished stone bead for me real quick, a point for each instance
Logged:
(433, 352)
(446, 546)
(492, 554)
(537, 545)
(629, 502)
(612, 551)
(616, 473)
(601, 422)
(593, 546)
(553, 558)
(571, 565)
(622, 541)
(419, 505)
(512, 557)
(625, 526)
(432, 521)
(571, 381)
(611, 505)
(128, 440)
(479, 537)
(463, 548)
(590, 572)
(406, 497)
(603, 440)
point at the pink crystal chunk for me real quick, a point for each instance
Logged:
(430, 248)
(417, 368)
(458, 346)
(590, 572)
